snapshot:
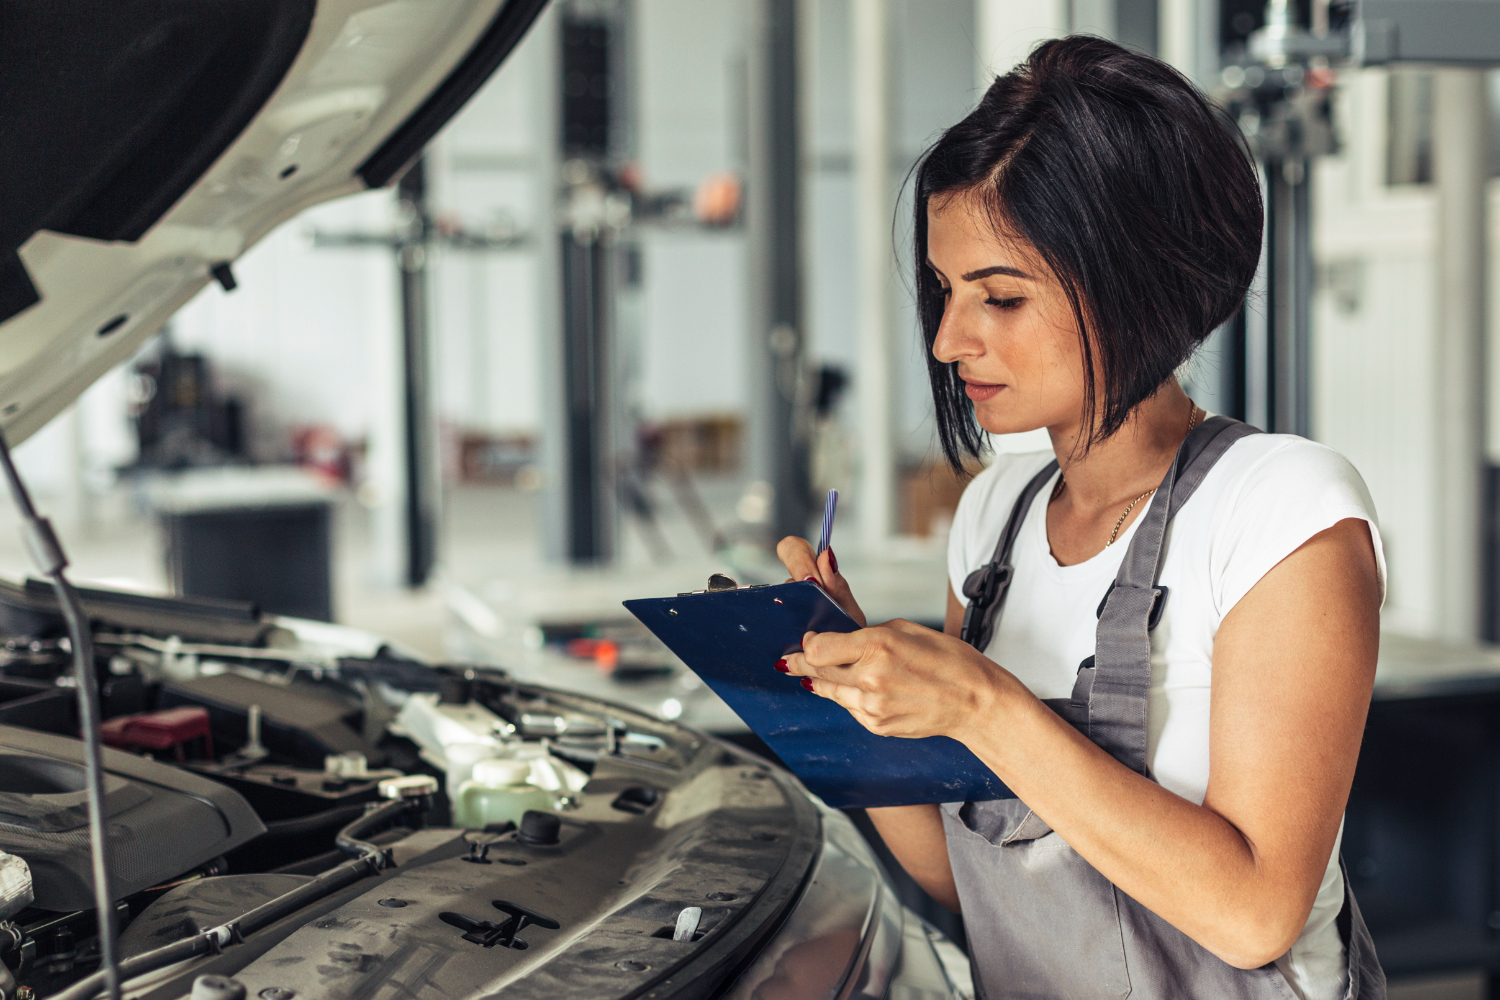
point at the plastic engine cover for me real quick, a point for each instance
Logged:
(162, 821)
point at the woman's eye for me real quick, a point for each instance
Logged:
(1005, 303)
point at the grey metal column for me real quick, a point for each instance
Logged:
(778, 440)
(576, 263)
(1287, 114)
(419, 425)
(1289, 273)
(589, 498)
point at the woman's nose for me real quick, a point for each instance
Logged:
(954, 338)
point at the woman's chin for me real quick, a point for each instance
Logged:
(1010, 429)
(1006, 423)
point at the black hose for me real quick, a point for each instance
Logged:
(48, 555)
(350, 837)
(303, 825)
(368, 860)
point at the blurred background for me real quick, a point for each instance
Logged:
(647, 298)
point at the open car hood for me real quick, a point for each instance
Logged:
(145, 142)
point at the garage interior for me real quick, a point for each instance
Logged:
(646, 298)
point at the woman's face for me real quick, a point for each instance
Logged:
(1006, 321)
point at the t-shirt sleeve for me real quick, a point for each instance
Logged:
(961, 534)
(1289, 495)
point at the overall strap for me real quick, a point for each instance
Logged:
(1121, 678)
(986, 586)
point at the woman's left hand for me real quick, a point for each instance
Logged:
(900, 679)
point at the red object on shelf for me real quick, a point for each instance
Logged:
(604, 652)
(165, 730)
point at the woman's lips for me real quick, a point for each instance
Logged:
(981, 391)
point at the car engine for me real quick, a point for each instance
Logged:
(279, 816)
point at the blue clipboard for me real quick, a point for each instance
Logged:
(732, 638)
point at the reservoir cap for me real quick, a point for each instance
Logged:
(499, 772)
(539, 828)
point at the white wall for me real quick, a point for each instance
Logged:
(484, 173)
(298, 336)
(303, 332)
(934, 85)
(689, 88)
(1375, 394)
(689, 100)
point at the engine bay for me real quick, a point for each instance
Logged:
(250, 753)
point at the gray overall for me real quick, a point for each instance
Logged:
(1042, 923)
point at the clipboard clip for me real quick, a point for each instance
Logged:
(716, 582)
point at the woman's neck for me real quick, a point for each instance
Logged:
(1129, 462)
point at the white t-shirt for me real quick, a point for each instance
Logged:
(1267, 495)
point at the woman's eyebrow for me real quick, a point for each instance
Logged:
(985, 272)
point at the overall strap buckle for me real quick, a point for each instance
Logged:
(984, 587)
(1158, 605)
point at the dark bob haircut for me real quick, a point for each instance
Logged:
(1136, 192)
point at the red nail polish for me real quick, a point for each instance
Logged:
(807, 683)
(781, 665)
(809, 579)
(833, 560)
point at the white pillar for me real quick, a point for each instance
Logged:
(385, 487)
(1187, 37)
(874, 206)
(1093, 17)
(1460, 152)
(1007, 30)
(544, 82)
(1177, 34)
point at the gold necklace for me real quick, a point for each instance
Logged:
(1124, 514)
(1193, 418)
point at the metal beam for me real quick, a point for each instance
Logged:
(1289, 273)
(421, 470)
(589, 498)
(778, 418)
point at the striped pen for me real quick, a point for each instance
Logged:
(827, 536)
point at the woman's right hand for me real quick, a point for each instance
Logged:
(796, 554)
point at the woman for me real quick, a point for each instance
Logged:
(1179, 626)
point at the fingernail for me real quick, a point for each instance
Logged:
(781, 665)
(809, 579)
(833, 560)
(807, 683)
